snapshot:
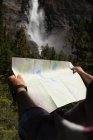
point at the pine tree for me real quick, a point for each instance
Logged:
(20, 47)
(61, 56)
(81, 40)
(45, 54)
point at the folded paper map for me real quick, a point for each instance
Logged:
(51, 84)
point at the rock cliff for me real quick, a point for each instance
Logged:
(15, 13)
(58, 13)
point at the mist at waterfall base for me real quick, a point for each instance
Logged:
(36, 30)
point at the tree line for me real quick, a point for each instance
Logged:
(81, 39)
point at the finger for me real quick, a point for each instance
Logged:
(11, 77)
(74, 69)
(19, 76)
(10, 81)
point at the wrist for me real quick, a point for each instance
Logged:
(21, 89)
(18, 89)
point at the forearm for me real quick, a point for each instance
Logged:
(86, 77)
(19, 93)
(24, 102)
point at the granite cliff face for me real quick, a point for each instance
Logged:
(59, 13)
(15, 13)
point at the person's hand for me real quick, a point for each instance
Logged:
(78, 69)
(14, 81)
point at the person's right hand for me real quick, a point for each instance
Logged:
(78, 69)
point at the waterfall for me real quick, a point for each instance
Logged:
(36, 29)
(37, 33)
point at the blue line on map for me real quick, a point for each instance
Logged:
(38, 72)
(54, 66)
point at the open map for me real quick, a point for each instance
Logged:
(51, 84)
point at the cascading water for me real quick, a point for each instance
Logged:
(37, 33)
(36, 28)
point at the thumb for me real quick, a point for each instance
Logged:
(19, 77)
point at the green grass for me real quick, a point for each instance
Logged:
(8, 135)
(8, 116)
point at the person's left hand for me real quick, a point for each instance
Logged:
(14, 81)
